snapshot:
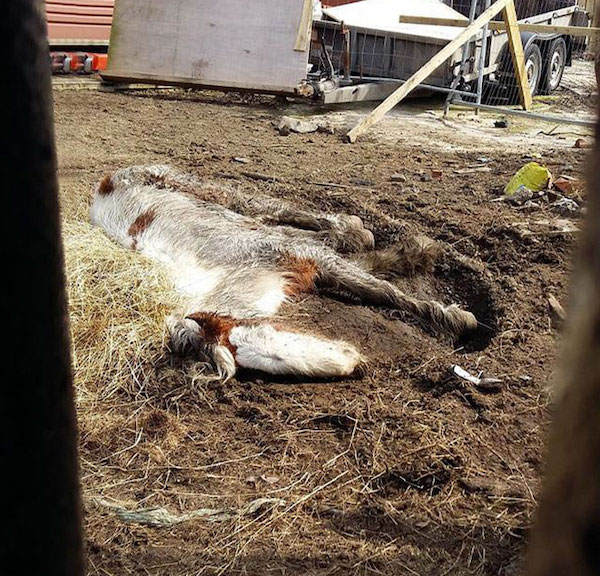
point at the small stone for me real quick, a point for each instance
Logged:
(398, 178)
(503, 123)
(521, 196)
(566, 207)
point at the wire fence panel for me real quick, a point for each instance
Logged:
(560, 76)
(559, 72)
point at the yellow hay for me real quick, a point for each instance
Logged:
(117, 301)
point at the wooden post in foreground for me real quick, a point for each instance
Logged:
(41, 524)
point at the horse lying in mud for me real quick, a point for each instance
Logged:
(238, 257)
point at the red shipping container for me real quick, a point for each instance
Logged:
(79, 22)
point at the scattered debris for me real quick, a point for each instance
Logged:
(572, 187)
(566, 207)
(532, 156)
(521, 195)
(557, 312)
(487, 384)
(288, 124)
(532, 176)
(543, 227)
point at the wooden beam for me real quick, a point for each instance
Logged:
(305, 27)
(424, 72)
(501, 26)
(516, 51)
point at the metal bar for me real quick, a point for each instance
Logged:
(482, 57)
(532, 115)
(346, 54)
(501, 26)
(463, 61)
(442, 89)
(369, 91)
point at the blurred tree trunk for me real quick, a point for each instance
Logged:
(566, 535)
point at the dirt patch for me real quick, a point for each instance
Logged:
(400, 470)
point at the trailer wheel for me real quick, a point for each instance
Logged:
(554, 67)
(533, 67)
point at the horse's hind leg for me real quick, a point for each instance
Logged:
(412, 255)
(342, 232)
(342, 276)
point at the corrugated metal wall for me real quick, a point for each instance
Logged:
(78, 21)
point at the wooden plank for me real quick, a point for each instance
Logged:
(501, 26)
(516, 51)
(426, 70)
(231, 43)
(305, 28)
(186, 82)
(375, 91)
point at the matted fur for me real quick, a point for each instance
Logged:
(237, 256)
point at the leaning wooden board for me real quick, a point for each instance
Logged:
(232, 44)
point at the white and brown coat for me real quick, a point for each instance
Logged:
(238, 258)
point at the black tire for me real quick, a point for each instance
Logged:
(534, 67)
(554, 66)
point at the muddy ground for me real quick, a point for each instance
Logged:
(402, 470)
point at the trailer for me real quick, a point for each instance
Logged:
(363, 51)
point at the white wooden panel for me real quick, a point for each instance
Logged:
(224, 43)
(385, 15)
